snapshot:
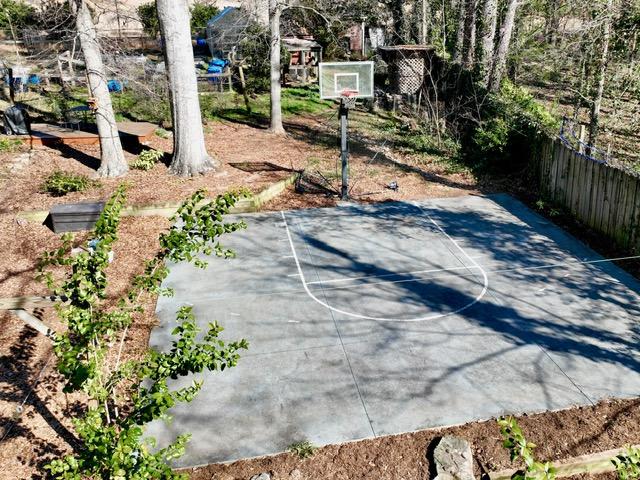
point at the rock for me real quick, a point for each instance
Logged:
(295, 474)
(262, 476)
(453, 459)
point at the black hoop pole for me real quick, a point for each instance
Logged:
(344, 148)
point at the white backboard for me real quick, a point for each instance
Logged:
(335, 77)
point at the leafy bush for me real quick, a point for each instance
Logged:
(519, 448)
(513, 123)
(16, 14)
(201, 13)
(147, 159)
(10, 144)
(60, 183)
(125, 395)
(628, 464)
(148, 15)
(254, 49)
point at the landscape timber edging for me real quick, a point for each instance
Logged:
(246, 205)
(593, 463)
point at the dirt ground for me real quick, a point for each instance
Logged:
(558, 435)
(34, 413)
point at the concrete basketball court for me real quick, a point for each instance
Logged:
(368, 320)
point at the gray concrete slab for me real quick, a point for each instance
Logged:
(366, 320)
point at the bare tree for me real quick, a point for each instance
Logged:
(489, 23)
(594, 124)
(190, 155)
(275, 13)
(112, 163)
(469, 43)
(500, 60)
(462, 9)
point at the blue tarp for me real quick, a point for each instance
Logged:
(114, 86)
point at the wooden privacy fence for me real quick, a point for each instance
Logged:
(603, 196)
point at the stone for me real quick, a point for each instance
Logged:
(295, 474)
(453, 459)
(262, 476)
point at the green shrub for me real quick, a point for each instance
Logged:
(513, 123)
(9, 144)
(16, 14)
(147, 159)
(302, 449)
(201, 13)
(254, 49)
(148, 16)
(60, 183)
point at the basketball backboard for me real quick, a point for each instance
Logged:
(355, 78)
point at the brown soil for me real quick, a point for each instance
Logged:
(41, 429)
(559, 435)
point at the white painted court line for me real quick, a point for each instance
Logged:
(382, 319)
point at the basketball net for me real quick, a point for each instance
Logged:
(349, 98)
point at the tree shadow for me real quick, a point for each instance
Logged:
(19, 375)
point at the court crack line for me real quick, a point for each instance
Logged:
(382, 319)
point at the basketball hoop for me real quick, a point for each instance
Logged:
(349, 98)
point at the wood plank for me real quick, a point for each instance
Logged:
(627, 221)
(619, 205)
(558, 174)
(592, 463)
(634, 224)
(47, 134)
(602, 195)
(595, 191)
(570, 172)
(585, 202)
(580, 188)
(553, 170)
(610, 207)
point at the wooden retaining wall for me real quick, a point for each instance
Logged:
(602, 196)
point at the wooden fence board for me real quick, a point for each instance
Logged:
(593, 201)
(604, 197)
(609, 208)
(584, 211)
(571, 172)
(629, 215)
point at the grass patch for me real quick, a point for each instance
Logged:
(59, 183)
(8, 144)
(230, 106)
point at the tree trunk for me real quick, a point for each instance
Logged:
(490, 20)
(594, 124)
(552, 22)
(190, 155)
(462, 14)
(500, 61)
(275, 11)
(469, 45)
(426, 17)
(112, 163)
